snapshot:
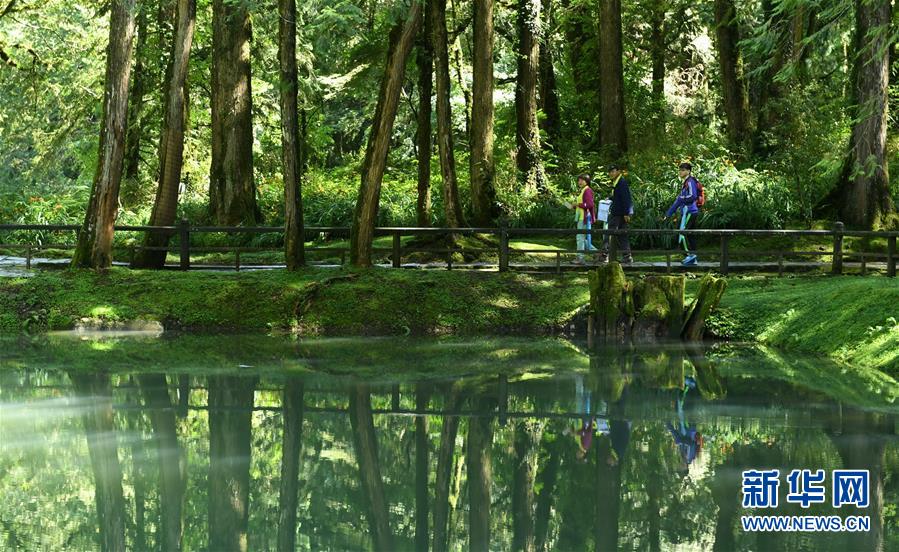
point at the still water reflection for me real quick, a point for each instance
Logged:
(232, 443)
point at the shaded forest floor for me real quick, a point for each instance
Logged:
(851, 319)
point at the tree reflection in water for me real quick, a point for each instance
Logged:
(476, 464)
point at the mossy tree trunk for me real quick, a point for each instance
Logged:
(423, 135)
(610, 301)
(612, 128)
(527, 131)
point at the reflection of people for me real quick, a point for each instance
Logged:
(687, 438)
(583, 434)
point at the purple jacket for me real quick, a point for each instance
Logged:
(588, 205)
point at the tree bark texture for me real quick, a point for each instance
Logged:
(401, 39)
(612, 127)
(290, 464)
(483, 191)
(94, 248)
(171, 143)
(170, 456)
(232, 191)
(291, 165)
(99, 427)
(527, 132)
(423, 135)
(865, 199)
(230, 432)
(366, 446)
(730, 60)
(451, 203)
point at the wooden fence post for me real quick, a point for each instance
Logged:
(503, 249)
(891, 256)
(397, 250)
(837, 267)
(725, 254)
(184, 239)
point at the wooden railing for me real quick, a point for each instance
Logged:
(832, 245)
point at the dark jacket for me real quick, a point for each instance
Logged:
(622, 205)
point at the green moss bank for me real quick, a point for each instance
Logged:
(313, 302)
(851, 319)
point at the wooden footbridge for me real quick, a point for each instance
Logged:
(500, 249)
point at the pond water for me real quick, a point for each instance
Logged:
(404, 444)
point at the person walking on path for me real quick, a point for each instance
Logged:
(584, 215)
(620, 213)
(686, 205)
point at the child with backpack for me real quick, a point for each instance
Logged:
(688, 203)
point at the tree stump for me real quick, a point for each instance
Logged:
(650, 308)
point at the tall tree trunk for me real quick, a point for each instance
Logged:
(134, 131)
(480, 476)
(527, 133)
(735, 95)
(171, 142)
(548, 98)
(290, 464)
(445, 457)
(865, 198)
(94, 248)
(581, 44)
(451, 204)
(99, 427)
(290, 135)
(170, 456)
(423, 138)
(422, 464)
(401, 38)
(612, 128)
(230, 432)
(232, 191)
(483, 191)
(527, 437)
(456, 47)
(366, 445)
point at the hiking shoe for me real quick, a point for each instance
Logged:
(627, 260)
(690, 260)
(602, 258)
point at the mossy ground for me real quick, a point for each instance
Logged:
(849, 318)
(312, 302)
